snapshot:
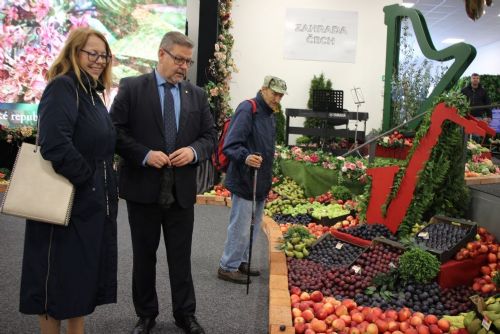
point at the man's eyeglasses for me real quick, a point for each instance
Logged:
(179, 60)
(94, 56)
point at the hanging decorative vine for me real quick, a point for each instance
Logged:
(221, 66)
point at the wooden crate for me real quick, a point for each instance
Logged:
(3, 187)
(280, 310)
(201, 199)
(486, 179)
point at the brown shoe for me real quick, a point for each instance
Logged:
(232, 276)
(244, 270)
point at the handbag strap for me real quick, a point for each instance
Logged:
(38, 122)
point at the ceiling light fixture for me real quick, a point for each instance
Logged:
(408, 4)
(452, 40)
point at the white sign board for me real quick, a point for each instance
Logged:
(315, 34)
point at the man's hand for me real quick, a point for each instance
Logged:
(182, 157)
(158, 159)
(254, 160)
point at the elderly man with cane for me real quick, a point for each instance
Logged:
(249, 145)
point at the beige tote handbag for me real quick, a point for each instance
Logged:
(35, 190)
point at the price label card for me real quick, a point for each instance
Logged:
(356, 269)
(339, 245)
(486, 323)
(424, 235)
(392, 265)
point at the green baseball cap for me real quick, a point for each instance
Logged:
(276, 84)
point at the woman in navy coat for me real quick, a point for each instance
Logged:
(68, 271)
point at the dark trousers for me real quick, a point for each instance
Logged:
(146, 222)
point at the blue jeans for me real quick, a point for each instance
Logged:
(238, 232)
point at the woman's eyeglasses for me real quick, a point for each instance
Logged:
(179, 60)
(94, 56)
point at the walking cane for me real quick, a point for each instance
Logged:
(252, 223)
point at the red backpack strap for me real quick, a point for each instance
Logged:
(254, 105)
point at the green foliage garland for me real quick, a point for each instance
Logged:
(221, 67)
(441, 186)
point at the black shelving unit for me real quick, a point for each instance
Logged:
(331, 118)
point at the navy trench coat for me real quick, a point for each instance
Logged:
(68, 271)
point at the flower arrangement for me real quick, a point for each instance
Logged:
(352, 169)
(394, 140)
(221, 66)
(31, 39)
(349, 169)
(17, 135)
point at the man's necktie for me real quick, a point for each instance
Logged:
(169, 118)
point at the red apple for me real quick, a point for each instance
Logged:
(419, 314)
(372, 329)
(299, 328)
(338, 325)
(296, 312)
(404, 325)
(309, 331)
(330, 319)
(362, 326)
(340, 310)
(350, 304)
(391, 314)
(357, 317)
(321, 314)
(347, 319)
(434, 329)
(377, 311)
(392, 326)
(492, 258)
(411, 330)
(317, 306)
(303, 305)
(295, 290)
(318, 325)
(308, 315)
(430, 319)
(486, 270)
(382, 325)
(423, 329)
(444, 325)
(299, 320)
(415, 320)
(294, 299)
(329, 308)
(305, 296)
(316, 296)
(354, 330)
(404, 314)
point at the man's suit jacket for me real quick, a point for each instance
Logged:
(137, 116)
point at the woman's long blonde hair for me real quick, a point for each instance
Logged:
(68, 60)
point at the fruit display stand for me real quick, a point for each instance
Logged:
(454, 273)
(484, 179)
(213, 200)
(280, 318)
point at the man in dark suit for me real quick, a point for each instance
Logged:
(164, 128)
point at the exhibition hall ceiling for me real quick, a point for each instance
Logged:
(448, 19)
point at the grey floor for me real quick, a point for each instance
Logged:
(222, 307)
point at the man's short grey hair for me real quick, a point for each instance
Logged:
(172, 38)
